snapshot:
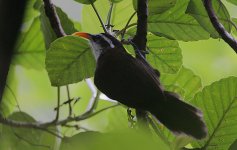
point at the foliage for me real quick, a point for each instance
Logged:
(69, 60)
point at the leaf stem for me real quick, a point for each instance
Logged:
(98, 16)
(127, 25)
(58, 104)
(108, 24)
(69, 101)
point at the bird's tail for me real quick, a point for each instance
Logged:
(180, 117)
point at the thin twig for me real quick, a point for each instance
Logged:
(42, 126)
(219, 27)
(69, 101)
(108, 22)
(58, 104)
(98, 16)
(121, 31)
(127, 25)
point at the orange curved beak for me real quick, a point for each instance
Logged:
(82, 34)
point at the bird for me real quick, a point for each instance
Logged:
(134, 83)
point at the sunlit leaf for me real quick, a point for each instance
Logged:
(175, 24)
(69, 60)
(31, 12)
(198, 11)
(234, 30)
(232, 1)
(30, 48)
(117, 140)
(9, 99)
(157, 6)
(218, 102)
(185, 82)
(164, 54)
(85, 1)
(25, 138)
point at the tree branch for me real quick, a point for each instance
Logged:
(141, 33)
(42, 126)
(53, 18)
(218, 26)
(140, 40)
(11, 15)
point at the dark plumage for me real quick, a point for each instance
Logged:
(134, 83)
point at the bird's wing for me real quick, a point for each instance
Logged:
(127, 79)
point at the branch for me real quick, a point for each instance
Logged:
(140, 40)
(42, 126)
(11, 15)
(53, 18)
(141, 33)
(98, 16)
(218, 26)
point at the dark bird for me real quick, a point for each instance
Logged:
(134, 83)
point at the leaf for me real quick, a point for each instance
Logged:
(233, 146)
(232, 1)
(69, 60)
(164, 54)
(175, 24)
(117, 140)
(157, 6)
(85, 1)
(48, 32)
(218, 102)
(25, 138)
(8, 102)
(185, 82)
(234, 30)
(121, 13)
(30, 48)
(198, 11)
(31, 12)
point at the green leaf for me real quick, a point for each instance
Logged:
(118, 140)
(157, 6)
(85, 1)
(175, 24)
(198, 11)
(9, 99)
(185, 82)
(164, 54)
(31, 12)
(30, 48)
(121, 13)
(232, 1)
(234, 30)
(218, 102)
(25, 138)
(233, 146)
(69, 60)
(48, 32)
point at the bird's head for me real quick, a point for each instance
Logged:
(100, 43)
